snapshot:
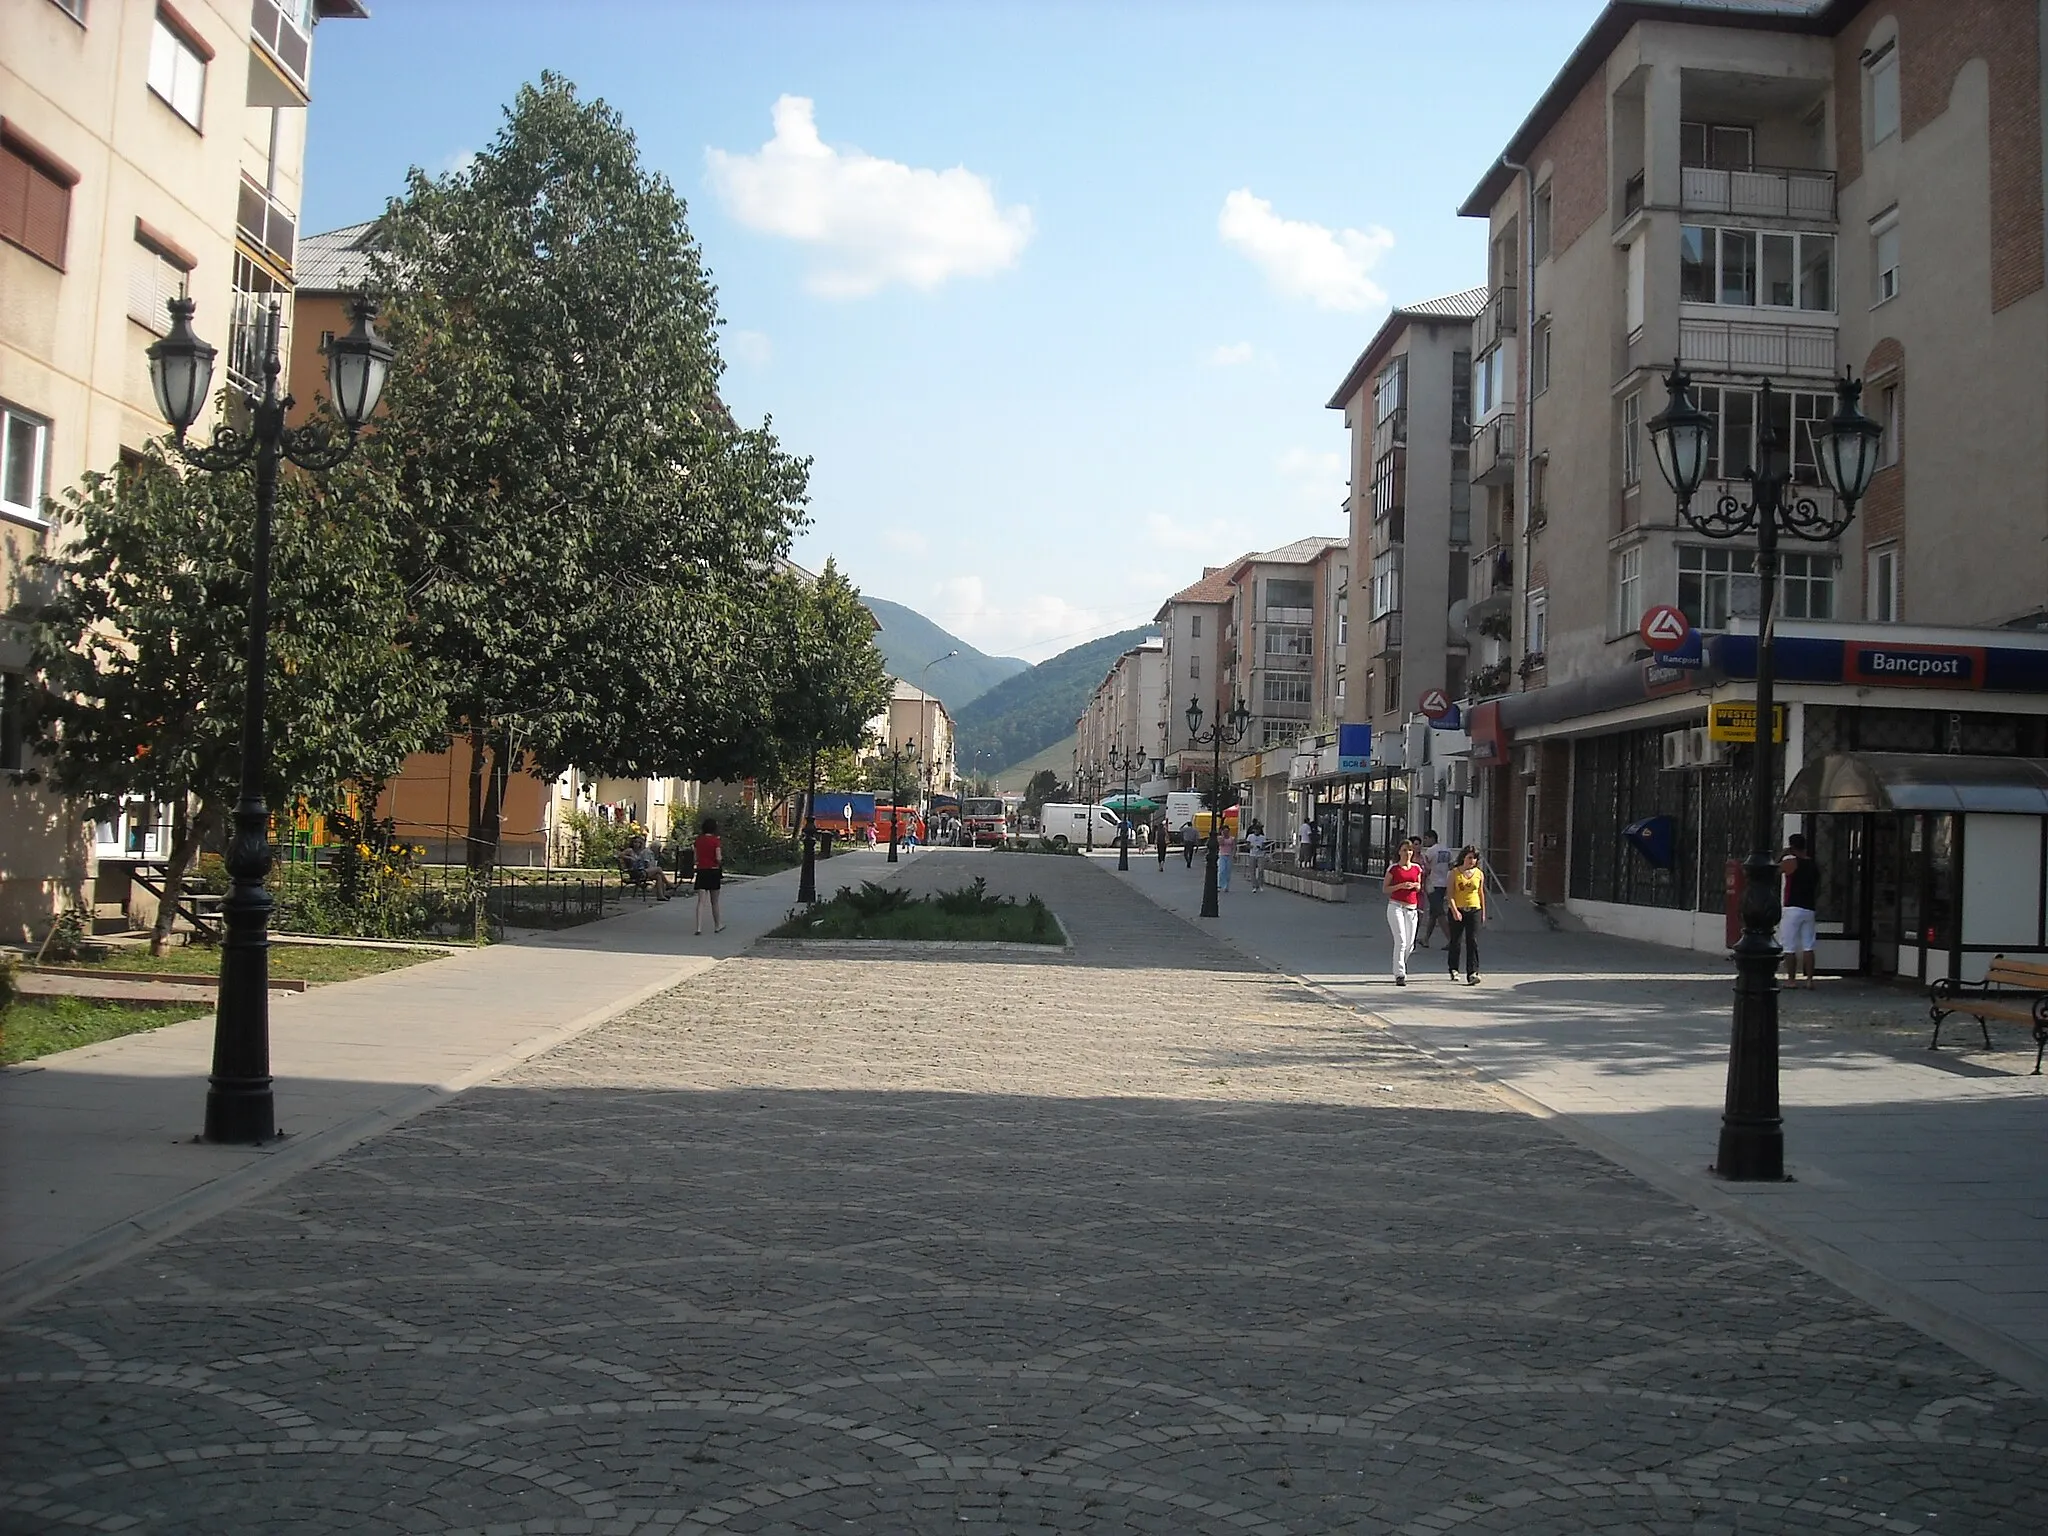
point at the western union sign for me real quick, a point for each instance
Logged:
(1737, 722)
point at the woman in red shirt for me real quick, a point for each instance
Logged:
(1403, 885)
(710, 873)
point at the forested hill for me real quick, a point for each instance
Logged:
(1025, 714)
(908, 640)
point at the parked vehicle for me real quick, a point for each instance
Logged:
(1066, 826)
(984, 821)
(1186, 805)
(844, 813)
(908, 823)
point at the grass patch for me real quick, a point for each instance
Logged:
(968, 914)
(40, 1026)
(292, 962)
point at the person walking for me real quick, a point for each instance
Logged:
(1226, 850)
(1796, 924)
(710, 852)
(1255, 857)
(1190, 839)
(1403, 885)
(1466, 910)
(1437, 862)
(1160, 840)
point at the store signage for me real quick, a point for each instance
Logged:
(1737, 722)
(1913, 666)
(1664, 628)
(1434, 704)
(1354, 748)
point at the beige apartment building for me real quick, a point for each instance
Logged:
(1191, 625)
(146, 150)
(1124, 724)
(1768, 193)
(918, 723)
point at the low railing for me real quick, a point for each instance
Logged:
(278, 29)
(248, 339)
(1631, 195)
(1761, 191)
(266, 223)
(1751, 346)
(1496, 318)
(1493, 449)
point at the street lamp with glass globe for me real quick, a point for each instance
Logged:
(239, 1103)
(1752, 1142)
(1120, 761)
(1228, 731)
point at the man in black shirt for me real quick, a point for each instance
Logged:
(1802, 895)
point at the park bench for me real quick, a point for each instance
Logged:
(635, 877)
(2011, 989)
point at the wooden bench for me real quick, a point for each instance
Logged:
(2011, 989)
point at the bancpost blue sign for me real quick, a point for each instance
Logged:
(1354, 748)
(1890, 663)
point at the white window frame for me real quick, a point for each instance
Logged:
(1717, 237)
(24, 432)
(113, 839)
(155, 277)
(1885, 277)
(1716, 567)
(1638, 277)
(177, 70)
(1539, 357)
(1539, 224)
(1386, 583)
(1632, 439)
(1628, 590)
(1881, 585)
(1881, 91)
(1806, 575)
(1893, 444)
(1536, 623)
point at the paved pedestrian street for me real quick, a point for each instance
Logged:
(1140, 1238)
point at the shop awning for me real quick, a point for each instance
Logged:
(1920, 781)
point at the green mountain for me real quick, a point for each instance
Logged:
(908, 641)
(1023, 715)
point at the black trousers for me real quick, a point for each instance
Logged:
(1464, 930)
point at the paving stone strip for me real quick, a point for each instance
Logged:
(1136, 1239)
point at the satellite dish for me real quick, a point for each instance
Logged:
(1455, 619)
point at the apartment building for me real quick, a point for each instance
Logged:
(145, 151)
(1774, 193)
(919, 724)
(1124, 722)
(1191, 625)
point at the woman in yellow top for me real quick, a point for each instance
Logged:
(1466, 908)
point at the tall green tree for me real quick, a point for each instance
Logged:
(141, 646)
(589, 535)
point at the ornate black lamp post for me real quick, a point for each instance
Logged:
(897, 754)
(1121, 761)
(1752, 1145)
(1228, 731)
(807, 882)
(239, 1104)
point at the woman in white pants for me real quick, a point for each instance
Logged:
(1403, 885)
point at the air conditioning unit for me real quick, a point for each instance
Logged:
(1707, 752)
(1416, 740)
(1526, 759)
(1677, 749)
(1458, 776)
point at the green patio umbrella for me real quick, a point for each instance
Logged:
(1130, 803)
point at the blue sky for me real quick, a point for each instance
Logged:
(1053, 294)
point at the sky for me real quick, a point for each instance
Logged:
(1053, 295)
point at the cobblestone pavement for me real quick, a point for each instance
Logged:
(1137, 1240)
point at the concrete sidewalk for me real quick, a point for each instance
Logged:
(1917, 1178)
(97, 1146)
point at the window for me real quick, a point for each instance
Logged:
(75, 9)
(1536, 631)
(1884, 255)
(1290, 640)
(1888, 417)
(1638, 273)
(1881, 90)
(1274, 732)
(35, 199)
(1732, 444)
(1195, 668)
(1343, 625)
(177, 67)
(1705, 577)
(1806, 586)
(1539, 358)
(1632, 439)
(1286, 688)
(13, 722)
(1340, 697)
(1461, 395)
(1390, 682)
(1717, 146)
(1539, 490)
(1195, 626)
(1290, 601)
(24, 443)
(1881, 601)
(1628, 590)
(1489, 375)
(156, 275)
(1539, 225)
(1386, 583)
(1390, 390)
(1753, 269)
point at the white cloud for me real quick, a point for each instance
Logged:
(1318, 477)
(874, 222)
(1330, 268)
(456, 163)
(1232, 355)
(752, 348)
(906, 541)
(1034, 627)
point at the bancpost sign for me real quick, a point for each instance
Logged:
(1737, 722)
(1354, 748)
(1913, 666)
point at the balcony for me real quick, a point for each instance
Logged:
(282, 31)
(1387, 636)
(1496, 319)
(248, 335)
(1763, 191)
(266, 224)
(1751, 346)
(1390, 434)
(1493, 450)
(1287, 661)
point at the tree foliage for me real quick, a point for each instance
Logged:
(589, 536)
(141, 646)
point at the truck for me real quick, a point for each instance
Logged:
(984, 821)
(844, 813)
(1186, 805)
(1066, 825)
(907, 822)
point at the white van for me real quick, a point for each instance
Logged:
(1181, 806)
(1067, 825)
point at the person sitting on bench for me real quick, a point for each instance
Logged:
(642, 866)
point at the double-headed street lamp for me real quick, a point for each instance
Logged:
(1120, 760)
(1228, 731)
(1752, 1145)
(896, 755)
(239, 1103)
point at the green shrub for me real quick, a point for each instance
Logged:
(872, 900)
(598, 843)
(10, 986)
